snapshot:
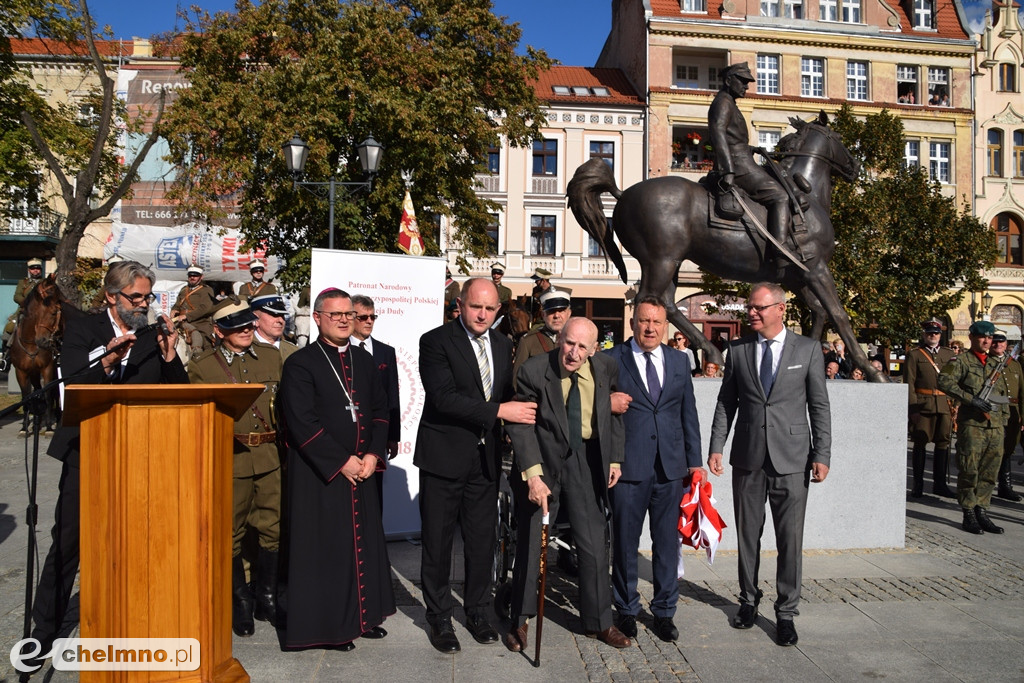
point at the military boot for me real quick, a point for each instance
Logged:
(941, 465)
(241, 600)
(266, 586)
(1005, 490)
(970, 523)
(984, 522)
(917, 465)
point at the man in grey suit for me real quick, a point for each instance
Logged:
(663, 437)
(775, 378)
(575, 448)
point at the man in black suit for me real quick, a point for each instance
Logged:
(663, 442)
(775, 379)
(466, 369)
(576, 449)
(387, 364)
(149, 358)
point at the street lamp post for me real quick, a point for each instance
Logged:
(295, 153)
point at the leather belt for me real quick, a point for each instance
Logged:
(929, 392)
(1014, 401)
(256, 438)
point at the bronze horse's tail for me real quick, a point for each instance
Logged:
(584, 192)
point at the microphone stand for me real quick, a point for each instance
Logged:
(36, 405)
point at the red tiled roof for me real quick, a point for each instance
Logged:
(619, 89)
(45, 46)
(946, 19)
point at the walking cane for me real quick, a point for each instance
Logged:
(541, 580)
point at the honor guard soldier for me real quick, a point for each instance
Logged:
(556, 312)
(237, 359)
(981, 424)
(195, 303)
(929, 410)
(541, 284)
(256, 286)
(1015, 390)
(25, 285)
(504, 293)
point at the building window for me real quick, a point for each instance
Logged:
(769, 8)
(828, 10)
(542, 235)
(906, 84)
(492, 235)
(594, 248)
(687, 76)
(694, 6)
(938, 162)
(995, 152)
(605, 151)
(768, 74)
(1007, 77)
(912, 154)
(924, 14)
(793, 9)
(545, 157)
(714, 76)
(938, 86)
(493, 160)
(768, 138)
(812, 77)
(1008, 239)
(1018, 154)
(856, 80)
(690, 148)
(851, 11)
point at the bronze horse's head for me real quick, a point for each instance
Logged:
(829, 146)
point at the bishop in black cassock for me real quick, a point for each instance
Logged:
(335, 412)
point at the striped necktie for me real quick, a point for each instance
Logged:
(485, 366)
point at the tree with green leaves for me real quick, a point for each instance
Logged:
(75, 141)
(904, 251)
(437, 82)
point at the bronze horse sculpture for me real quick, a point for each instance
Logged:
(664, 221)
(35, 346)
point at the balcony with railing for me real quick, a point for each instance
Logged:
(31, 224)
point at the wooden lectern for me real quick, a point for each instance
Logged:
(156, 466)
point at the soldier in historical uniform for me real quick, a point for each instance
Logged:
(504, 293)
(980, 426)
(237, 359)
(1015, 390)
(734, 160)
(256, 286)
(270, 315)
(929, 409)
(541, 285)
(25, 285)
(195, 304)
(556, 312)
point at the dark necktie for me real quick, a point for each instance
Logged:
(574, 414)
(766, 367)
(362, 344)
(653, 385)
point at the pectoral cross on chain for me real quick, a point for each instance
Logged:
(351, 408)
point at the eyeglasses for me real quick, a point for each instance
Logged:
(752, 307)
(336, 316)
(366, 316)
(136, 299)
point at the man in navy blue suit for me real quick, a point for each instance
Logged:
(662, 449)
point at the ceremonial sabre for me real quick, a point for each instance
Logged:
(541, 580)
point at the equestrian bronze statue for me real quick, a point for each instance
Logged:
(664, 221)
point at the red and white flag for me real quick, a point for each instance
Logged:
(700, 525)
(409, 239)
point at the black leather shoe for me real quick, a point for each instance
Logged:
(375, 633)
(442, 637)
(745, 617)
(515, 640)
(940, 489)
(970, 523)
(985, 523)
(785, 633)
(344, 647)
(481, 630)
(665, 629)
(627, 624)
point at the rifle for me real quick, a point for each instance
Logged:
(990, 384)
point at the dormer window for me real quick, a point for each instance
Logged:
(924, 14)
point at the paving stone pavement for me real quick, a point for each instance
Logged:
(946, 607)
